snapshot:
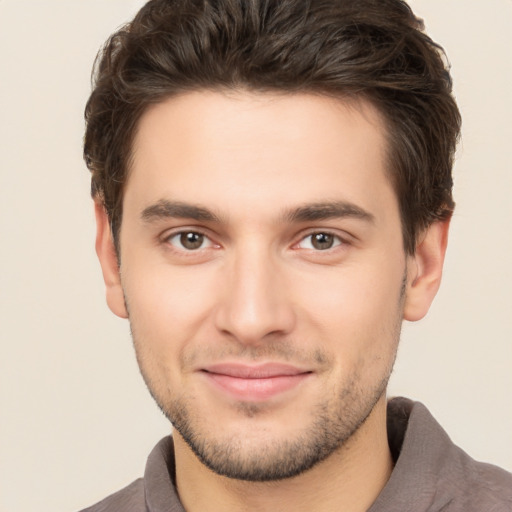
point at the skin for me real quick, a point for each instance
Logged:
(263, 229)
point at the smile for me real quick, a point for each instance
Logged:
(254, 383)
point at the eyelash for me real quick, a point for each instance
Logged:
(336, 239)
(185, 232)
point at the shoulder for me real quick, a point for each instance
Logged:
(155, 491)
(479, 486)
(468, 485)
(432, 473)
(129, 499)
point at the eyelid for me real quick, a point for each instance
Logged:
(205, 241)
(167, 235)
(342, 238)
(336, 242)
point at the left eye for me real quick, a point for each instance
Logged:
(320, 241)
(189, 240)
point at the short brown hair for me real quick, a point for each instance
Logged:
(373, 49)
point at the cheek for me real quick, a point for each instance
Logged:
(355, 308)
(167, 304)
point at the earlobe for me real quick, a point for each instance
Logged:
(106, 252)
(424, 270)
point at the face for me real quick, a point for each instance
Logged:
(263, 272)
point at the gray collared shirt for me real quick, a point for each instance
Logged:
(431, 474)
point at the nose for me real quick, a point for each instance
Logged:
(255, 303)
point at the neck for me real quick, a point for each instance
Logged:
(350, 479)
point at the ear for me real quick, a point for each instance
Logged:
(424, 270)
(106, 252)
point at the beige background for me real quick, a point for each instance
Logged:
(75, 419)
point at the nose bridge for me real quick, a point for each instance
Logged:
(254, 302)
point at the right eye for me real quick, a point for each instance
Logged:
(189, 241)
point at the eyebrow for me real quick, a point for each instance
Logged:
(165, 208)
(328, 210)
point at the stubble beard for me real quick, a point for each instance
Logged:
(277, 459)
(334, 422)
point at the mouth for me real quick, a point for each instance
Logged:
(255, 383)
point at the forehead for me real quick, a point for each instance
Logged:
(253, 152)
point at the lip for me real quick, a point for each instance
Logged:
(254, 383)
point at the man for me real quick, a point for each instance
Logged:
(272, 182)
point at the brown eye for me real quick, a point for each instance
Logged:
(322, 241)
(191, 241)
